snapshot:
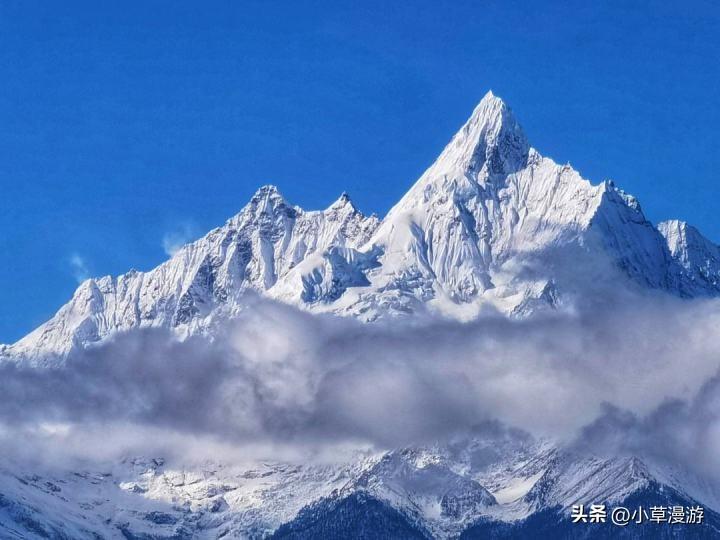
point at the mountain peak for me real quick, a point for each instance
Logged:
(679, 234)
(342, 201)
(698, 257)
(268, 190)
(491, 140)
(268, 196)
(267, 200)
(489, 102)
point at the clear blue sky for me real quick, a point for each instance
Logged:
(126, 123)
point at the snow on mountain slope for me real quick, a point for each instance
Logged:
(698, 258)
(205, 279)
(475, 231)
(463, 230)
(437, 490)
(424, 486)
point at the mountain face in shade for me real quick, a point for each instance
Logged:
(697, 257)
(492, 224)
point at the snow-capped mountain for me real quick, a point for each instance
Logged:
(492, 224)
(497, 487)
(205, 279)
(476, 231)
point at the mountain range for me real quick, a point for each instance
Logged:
(492, 226)
(473, 233)
(493, 484)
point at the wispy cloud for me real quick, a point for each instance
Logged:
(174, 240)
(79, 268)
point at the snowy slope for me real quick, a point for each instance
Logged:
(697, 257)
(475, 232)
(438, 490)
(490, 203)
(205, 279)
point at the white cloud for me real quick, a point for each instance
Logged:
(79, 268)
(277, 375)
(174, 240)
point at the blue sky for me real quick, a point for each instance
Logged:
(126, 127)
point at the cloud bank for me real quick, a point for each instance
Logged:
(637, 376)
